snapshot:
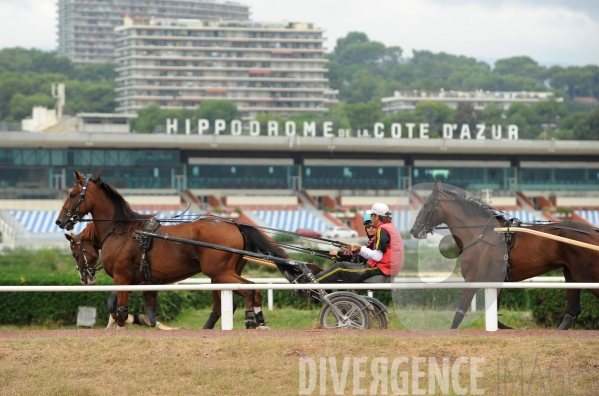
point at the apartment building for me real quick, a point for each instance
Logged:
(261, 67)
(86, 27)
(407, 100)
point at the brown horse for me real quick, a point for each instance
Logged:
(472, 224)
(169, 261)
(85, 248)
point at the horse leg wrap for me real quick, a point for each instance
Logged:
(150, 314)
(122, 314)
(112, 303)
(260, 319)
(212, 319)
(250, 319)
(567, 322)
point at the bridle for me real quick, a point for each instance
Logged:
(73, 214)
(88, 269)
(428, 229)
(424, 224)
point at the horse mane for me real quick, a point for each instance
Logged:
(89, 233)
(472, 205)
(124, 216)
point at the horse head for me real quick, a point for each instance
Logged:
(428, 217)
(86, 257)
(72, 209)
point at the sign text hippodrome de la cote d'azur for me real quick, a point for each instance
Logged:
(309, 129)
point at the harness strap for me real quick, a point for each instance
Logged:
(145, 243)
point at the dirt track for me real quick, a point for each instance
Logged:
(184, 333)
(259, 362)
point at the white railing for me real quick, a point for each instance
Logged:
(227, 291)
(270, 296)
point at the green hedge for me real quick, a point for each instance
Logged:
(548, 308)
(61, 307)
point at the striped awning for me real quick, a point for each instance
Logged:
(42, 221)
(522, 215)
(592, 216)
(291, 220)
(401, 219)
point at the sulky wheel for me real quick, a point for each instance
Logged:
(354, 312)
(378, 319)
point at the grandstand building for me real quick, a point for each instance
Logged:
(408, 100)
(261, 67)
(86, 27)
(290, 182)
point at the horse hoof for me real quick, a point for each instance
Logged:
(119, 328)
(144, 320)
(261, 327)
(501, 326)
(249, 324)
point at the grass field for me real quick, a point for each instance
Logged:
(301, 319)
(282, 319)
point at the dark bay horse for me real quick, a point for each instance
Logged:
(85, 248)
(471, 222)
(169, 261)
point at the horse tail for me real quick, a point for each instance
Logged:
(258, 242)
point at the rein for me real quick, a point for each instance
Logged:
(313, 252)
(213, 217)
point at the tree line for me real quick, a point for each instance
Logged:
(364, 71)
(27, 75)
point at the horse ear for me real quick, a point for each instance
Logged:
(79, 176)
(435, 185)
(70, 237)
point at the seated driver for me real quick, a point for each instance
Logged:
(355, 257)
(384, 258)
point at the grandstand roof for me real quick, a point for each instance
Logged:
(313, 147)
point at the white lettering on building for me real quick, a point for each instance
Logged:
(379, 130)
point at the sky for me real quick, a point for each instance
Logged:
(563, 32)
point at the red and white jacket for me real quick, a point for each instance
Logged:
(392, 260)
